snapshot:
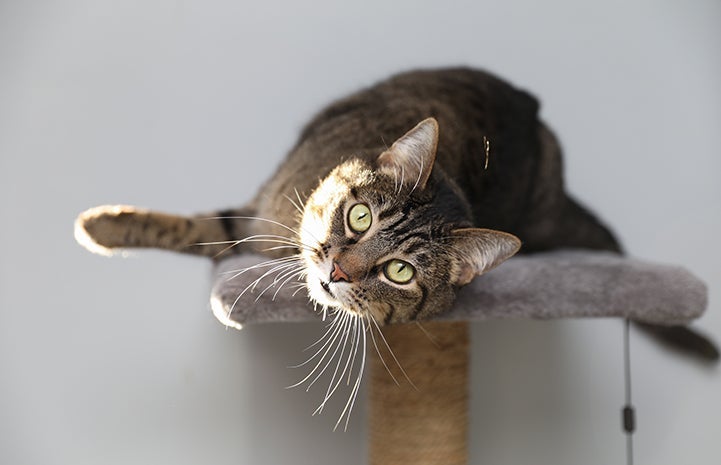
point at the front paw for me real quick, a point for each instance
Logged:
(104, 229)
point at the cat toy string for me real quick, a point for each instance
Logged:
(628, 413)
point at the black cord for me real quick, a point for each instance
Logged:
(628, 414)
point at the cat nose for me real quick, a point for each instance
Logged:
(338, 274)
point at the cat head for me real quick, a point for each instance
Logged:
(391, 235)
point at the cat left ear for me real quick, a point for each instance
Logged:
(410, 158)
(480, 250)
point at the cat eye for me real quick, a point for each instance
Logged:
(359, 218)
(399, 272)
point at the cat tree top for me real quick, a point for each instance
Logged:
(559, 284)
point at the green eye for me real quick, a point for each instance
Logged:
(399, 271)
(359, 218)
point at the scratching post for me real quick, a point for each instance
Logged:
(428, 424)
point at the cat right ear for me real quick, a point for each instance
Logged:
(480, 250)
(410, 159)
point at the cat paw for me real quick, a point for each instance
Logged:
(102, 230)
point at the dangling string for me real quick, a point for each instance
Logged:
(628, 415)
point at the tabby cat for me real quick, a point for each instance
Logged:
(391, 232)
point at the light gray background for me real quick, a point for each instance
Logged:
(187, 106)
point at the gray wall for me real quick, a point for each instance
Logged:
(187, 106)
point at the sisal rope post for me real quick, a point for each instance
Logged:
(427, 424)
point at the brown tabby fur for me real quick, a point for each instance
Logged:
(436, 211)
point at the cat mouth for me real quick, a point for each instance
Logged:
(326, 288)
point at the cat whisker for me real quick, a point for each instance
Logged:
(328, 329)
(300, 202)
(277, 261)
(292, 202)
(255, 283)
(300, 288)
(356, 386)
(257, 218)
(375, 344)
(296, 274)
(329, 334)
(259, 238)
(279, 247)
(275, 282)
(344, 332)
(280, 269)
(328, 346)
(277, 240)
(430, 337)
(343, 344)
(353, 348)
(358, 328)
(265, 263)
(391, 351)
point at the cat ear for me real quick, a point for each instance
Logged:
(410, 158)
(480, 250)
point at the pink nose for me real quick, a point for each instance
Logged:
(338, 274)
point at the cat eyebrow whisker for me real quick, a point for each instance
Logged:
(295, 205)
(297, 196)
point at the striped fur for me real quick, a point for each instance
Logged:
(469, 159)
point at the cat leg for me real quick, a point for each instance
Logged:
(108, 228)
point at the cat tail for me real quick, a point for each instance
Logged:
(684, 340)
(585, 230)
(111, 228)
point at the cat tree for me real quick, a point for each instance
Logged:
(428, 425)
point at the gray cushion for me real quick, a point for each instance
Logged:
(559, 284)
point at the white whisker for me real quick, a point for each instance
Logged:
(335, 351)
(356, 338)
(292, 202)
(356, 387)
(328, 328)
(280, 269)
(277, 261)
(329, 334)
(299, 287)
(391, 351)
(331, 387)
(378, 351)
(295, 274)
(329, 345)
